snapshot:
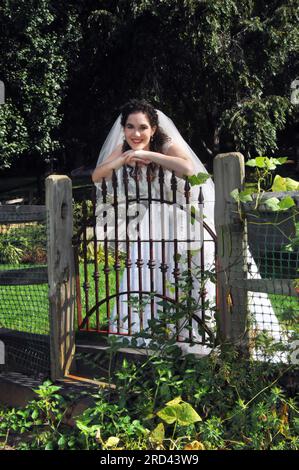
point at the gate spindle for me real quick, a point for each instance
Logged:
(96, 274)
(116, 251)
(139, 262)
(128, 261)
(151, 262)
(176, 270)
(163, 265)
(189, 254)
(86, 284)
(202, 261)
(106, 265)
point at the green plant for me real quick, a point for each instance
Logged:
(263, 177)
(280, 220)
(170, 401)
(10, 254)
(25, 244)
(107, 426)
(179, 413)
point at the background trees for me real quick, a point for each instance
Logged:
(221, 69)
(37, 39)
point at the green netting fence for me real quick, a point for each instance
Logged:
(273, 262)
(24, 304)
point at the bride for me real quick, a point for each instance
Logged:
(141, 140)
(145, 137)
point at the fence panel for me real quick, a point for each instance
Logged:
(24, 306)
(258, 267)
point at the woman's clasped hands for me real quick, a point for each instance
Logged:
(131, 157)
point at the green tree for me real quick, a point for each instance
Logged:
(38, 41)
(222, 69)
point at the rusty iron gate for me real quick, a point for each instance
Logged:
(115, 271)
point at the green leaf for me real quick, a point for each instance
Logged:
(179, 411)
(269, 163)
(175, 401)
(235, 194)
(279, 184)
(242, 196)
(198, 179)
(251, 163)
(286, 203)
(49, 446)
(292, 185)
(284, 184)
(281, 160)
(168, 414)
(62, 441)
(35, 414)
(187, 415)
(158, 434)
(261, 162)
(245, 196)
(273, 203)
(112, 441)
(193, 214)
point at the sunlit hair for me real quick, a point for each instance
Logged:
(159, 138)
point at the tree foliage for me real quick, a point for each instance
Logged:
(221, 69)
(37, 40)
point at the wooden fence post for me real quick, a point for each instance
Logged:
(229, 172)
(60, 273)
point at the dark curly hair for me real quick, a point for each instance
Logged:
(159, 138)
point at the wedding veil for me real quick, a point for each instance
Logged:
(115, 137)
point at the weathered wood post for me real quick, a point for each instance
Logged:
(60, 273)
(229, 173)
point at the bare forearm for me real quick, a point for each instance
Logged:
(181, 166)
(105, 170)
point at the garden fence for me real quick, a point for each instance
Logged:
(258, 267)
(24, 305)
(36, 284)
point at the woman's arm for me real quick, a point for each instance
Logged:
(113, 162)
(175, 160)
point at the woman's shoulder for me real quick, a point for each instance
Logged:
(167, 145)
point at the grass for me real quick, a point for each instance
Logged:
(26, 308)
(101, 293)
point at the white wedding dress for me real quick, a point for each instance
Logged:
(159, 221)
(163, 224)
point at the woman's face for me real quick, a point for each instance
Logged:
(138, 131)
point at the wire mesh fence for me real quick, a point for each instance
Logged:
(273, 267)
(24, 305)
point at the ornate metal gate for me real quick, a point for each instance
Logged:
(126, 274)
